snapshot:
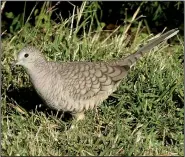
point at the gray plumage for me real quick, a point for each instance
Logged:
(79, 86)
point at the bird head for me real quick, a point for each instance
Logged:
(28, 57)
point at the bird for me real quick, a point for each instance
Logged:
(79, 86)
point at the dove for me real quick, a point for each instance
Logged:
(76, 87)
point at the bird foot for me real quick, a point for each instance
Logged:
(79, 116)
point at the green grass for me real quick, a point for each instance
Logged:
(143, 117)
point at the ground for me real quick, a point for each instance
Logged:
(144, 116)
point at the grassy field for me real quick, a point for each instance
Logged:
(144, 116)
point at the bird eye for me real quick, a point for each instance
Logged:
(26, 55)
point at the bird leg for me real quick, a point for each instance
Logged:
(79, 116)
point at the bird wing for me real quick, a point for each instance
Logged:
(85, 79)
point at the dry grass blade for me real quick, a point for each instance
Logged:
(2, 6)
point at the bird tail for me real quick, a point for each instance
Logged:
(131, 59)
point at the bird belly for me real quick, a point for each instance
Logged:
(56, 97)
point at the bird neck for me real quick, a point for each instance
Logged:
(39, 66)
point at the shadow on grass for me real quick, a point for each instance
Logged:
(28, 99)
